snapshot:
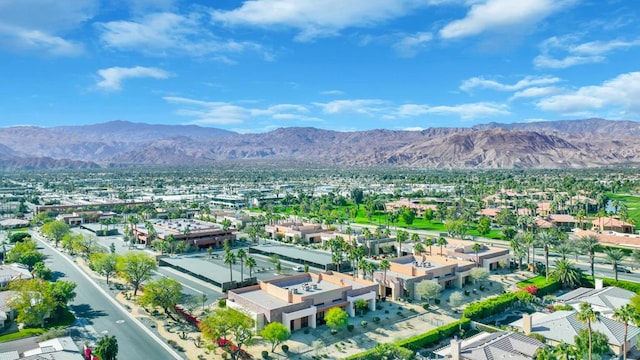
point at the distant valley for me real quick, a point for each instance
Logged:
(551, 144)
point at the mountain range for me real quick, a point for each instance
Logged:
(548, 144)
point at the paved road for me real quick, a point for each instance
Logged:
(103, 316)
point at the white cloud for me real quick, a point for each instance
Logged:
(565, 51)
(493, 15)
(357, 106)
(464, 111)
(169, 33)
(471, 111)
(481, 82)
(225, 113)
(621, 93)
(411, 44)
(38, 25)
(113, 77)
(413, 128)
(535, 92)
(316, 18)
(332, 92)
(35, 40)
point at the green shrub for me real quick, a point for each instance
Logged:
(494, 305)
(425, 306)
(350, 327)
(265, 354)
(285, 348)
(364, 323)
(222, 302)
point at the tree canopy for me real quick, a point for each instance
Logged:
(136, 268)
(275, 333)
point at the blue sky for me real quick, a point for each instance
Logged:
(254, 66)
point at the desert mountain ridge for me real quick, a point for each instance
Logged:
(546, 144)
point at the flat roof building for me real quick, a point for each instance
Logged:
(198, 233)
(301, 301)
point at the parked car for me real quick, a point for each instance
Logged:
(298, 268)
(623, 270)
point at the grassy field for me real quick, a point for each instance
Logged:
(633, 205)
(381, 219)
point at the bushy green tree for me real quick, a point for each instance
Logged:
(229, 323)
(275, 333)
(25, 253)
(136, 268)
(107, 348)
(164, 292)
(336, 318)
(55, 230)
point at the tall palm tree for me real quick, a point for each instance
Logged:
(415, 238)
(529, 239)
(626, 314)
(384, 266)
(519, 252)
(615, 257)
(242, 256)
(442, 242)
(589, 245)
(250, 263)
(430, 242)
(546, 239)
(563, 249)
(230, 259)
(366, 233)
(587, 315)
(401, 237)
(476, 248)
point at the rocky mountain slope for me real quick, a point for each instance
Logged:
(552, 144)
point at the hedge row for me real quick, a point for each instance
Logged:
(483, 309)
(623, 284)
(429, 338)
(544, 287)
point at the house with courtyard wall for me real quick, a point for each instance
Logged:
(407, 271)
(301, 300)
(291, 231)
(489, 257)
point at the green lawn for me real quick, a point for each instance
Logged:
(632, 202)
(62, 321)
(24, 333)
(538, 281)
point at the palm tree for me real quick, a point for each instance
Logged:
(384, 266)
(366, 233)
(519, 252)
(546, 239)
(626, 314)
(242, 256)
(476, 248)
(589, 245)
(230, 259)
(529, 239)
(170, 239)
(250, 263)
(442, 242)
(563, 249)
(430, 242)
(615, 256)
(415, 238)
(401, 236)
(587, 315)
(418, 248)
(567, 274)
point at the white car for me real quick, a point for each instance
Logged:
(298, 268)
